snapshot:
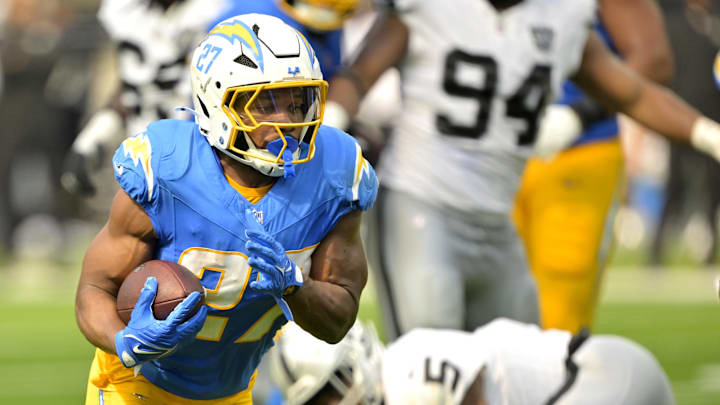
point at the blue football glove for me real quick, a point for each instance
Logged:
(146, 338)
(278, 274)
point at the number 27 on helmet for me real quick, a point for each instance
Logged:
(258, 93)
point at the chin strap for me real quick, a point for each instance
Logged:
(287, 155)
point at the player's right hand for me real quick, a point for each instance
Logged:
(76, 177)
(146, 338)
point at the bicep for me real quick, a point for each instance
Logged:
(638, 32)
(340, 257)
(126, 240)
(605, 78)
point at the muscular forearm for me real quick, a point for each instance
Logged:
(657, 67)
(384, 46)
(95, 311)
(662, 111)
(324, 309)
(345, 94)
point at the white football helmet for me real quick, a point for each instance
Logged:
(302, 365)
(320, 15)
(253, 72)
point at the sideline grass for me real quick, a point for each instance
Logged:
(684, 338)
(44, 358)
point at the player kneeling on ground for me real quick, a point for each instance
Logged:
(504, 362)
(256, 198)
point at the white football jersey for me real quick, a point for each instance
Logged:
(522, 365)
(474, 83)
(153, 49)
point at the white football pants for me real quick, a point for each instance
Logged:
(441, 268)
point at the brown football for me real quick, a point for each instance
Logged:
(175, 282)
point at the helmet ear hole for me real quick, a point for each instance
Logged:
(204, 109)
(308, 134)
(232, 64)
(240, 142)
(245, 61)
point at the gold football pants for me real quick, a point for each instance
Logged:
(564, 212)
(110, 383)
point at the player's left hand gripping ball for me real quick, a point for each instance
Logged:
(278, 274)
(146, 338)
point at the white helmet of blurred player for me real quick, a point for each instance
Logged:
(302, 365)
(254, 72)
(320, 15)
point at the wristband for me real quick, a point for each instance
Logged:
(705, 136)
(335, 115)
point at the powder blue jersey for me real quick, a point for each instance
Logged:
(326, 44)
(174, 174)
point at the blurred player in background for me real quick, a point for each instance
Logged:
(476, 78)
(310, 371)
(320, 21)
(153, 39)
(248, 197)
(691, 184)
(565, 206)
(48, 47)
(504, 362)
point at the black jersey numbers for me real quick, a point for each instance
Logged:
(528, 101)
(483, 93)
(444, 373)
(525, 104)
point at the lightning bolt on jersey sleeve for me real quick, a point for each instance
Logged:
(176, 176)
(137, 162)
(358, 182)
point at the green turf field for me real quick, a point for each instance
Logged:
(44, 359)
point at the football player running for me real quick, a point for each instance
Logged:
(477, 76)
(256, 198)
(153, 40)
(565, 206)
(502, 363)
(321, 23)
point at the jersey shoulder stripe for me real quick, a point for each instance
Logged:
(345, 167)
